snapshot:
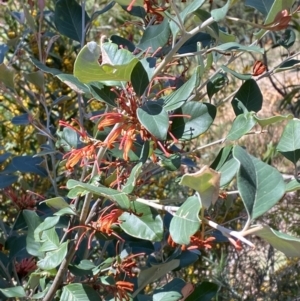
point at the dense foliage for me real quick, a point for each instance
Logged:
(105, 108)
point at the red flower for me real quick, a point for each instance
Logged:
(26, 266)
(21, 199)
(258, 68)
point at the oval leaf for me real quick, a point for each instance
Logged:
(186, 221)
(148, 225)
(176, 99)
(250, 96)
(271, 120)
(155, 36)
(78, 291)
(287, 244)
(260, 185)
(242, 124)
(206, 182)
(54, 258)
(68, 19)
(199, 118)
(87, 68)
(289, 143)
(154, 118)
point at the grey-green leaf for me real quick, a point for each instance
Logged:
(155, 36)
(260, 185)
(242, 124)
(186, 221)
(78, 291)
(289, 143)
(287, 244)
(144, 223)
(54, 258)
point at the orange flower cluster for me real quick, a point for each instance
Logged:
(127, 266)
(129, 125)
(121, 290)
(103, 225)
(196, 242)
(84, 154)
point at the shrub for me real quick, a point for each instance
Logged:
(100, 128)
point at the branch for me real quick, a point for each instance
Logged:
(168, 58)
(84, 212)
(223, 230)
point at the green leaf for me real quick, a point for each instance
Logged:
(222, 157)
(149, 275)
(54, 258)
(289, 143)
(250, 96)
(236, 74)
(176, 99)
(66, 211)
(7, 76)
(287, 244)
(21, 119)
(7, 180)
(48, 223)
(277, 6)
(149, 64)
(127, 2)
(172, 163)
(148, 225)
(139, 79)
(293, 185)
(287, 39)
(3, 50)
(78, 188)
(242, 124)
(57, 203)
(203, 292)
(186, 221)
(87, 68)
(220, 13)
(228, 172)
(36, 78)
(190, 8)
(271, 120)
(68, 19)
(260, 185)
(130, 183)
(154, 118)
(33, 221)
(206, 182)
(105, 94)
(236, 47)
(225, 37)
(50, 240)
(288, 65)
(263, 6)
(14, 292)
(69, 79)
(155, 36)
(199, 117)
(213, 28)
(29, 19)
(78, 291)
(167, 296)
(216, 83)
